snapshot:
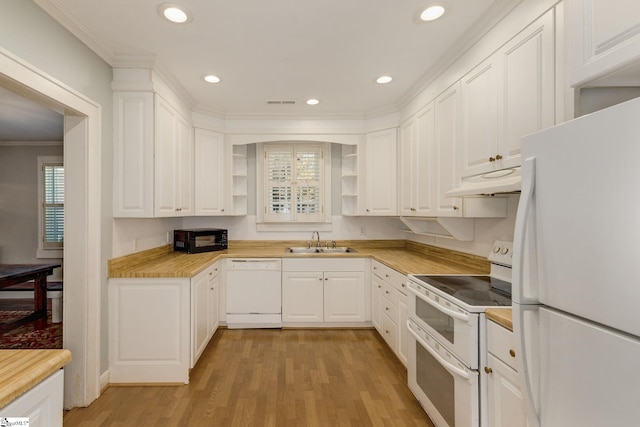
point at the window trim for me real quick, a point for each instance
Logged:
(325, 223)
(43, 252)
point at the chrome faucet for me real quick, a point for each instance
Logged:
(315, 233)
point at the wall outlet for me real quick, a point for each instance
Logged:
(168, 237)
(363, 230)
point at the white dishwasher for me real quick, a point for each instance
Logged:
(254, 293)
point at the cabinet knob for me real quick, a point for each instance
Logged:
(455, 208)
(498, 157)
(492, 159)
(222, 210)
(367, 210)
(404, 285)
(386, 292)
(512, 353)
(326, 278)
(386, 308)
(212, 288)
(488, 370)
(386, 331)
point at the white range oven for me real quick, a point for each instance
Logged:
(447, 330)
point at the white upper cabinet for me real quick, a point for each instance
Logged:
(173, 162)
(604, 36)
(153, 158)
(416, 152)
(446, 140)
(507, 96)
(380, 179)
(133, 146)
(210, 171)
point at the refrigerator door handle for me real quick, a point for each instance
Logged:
(524, 208)
(523, 362)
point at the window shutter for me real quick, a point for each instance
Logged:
(278, 183)
(53, 209)
(308, 184)
(293, 183)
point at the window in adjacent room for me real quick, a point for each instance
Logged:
(294, 187)
(51, 202)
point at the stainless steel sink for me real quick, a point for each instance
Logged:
(321, 250)
(303, 250)
(337, 250)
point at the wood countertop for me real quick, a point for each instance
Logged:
(502, 316)
(21, 370)
(403, 256)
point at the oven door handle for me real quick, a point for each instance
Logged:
(447, 311)
(445, 364)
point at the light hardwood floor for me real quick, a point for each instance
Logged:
(272, 378)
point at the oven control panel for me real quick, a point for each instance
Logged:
(502, 253)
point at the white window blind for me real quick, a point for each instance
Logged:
(293, 183)
(53, 206)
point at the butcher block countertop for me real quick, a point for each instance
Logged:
(21, 370)
(403, 256)
(502, 316)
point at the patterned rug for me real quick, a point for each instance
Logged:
(26, 336)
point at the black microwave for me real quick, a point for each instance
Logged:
(197, 240)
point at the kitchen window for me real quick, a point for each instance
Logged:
(51, 202)
(294, 187)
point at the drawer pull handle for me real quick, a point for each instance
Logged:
(488, 370)
(512, 353)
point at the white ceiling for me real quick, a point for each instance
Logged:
(331, 50)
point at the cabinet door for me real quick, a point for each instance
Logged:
(210, 185)
(479, 99)
(376, 302)
(506, 407)
(424, 162)
(214, 297)
(605, 37)
(407, 153)
(403, 333)
(344, 294)
(381, 197)
(302, 296)
(133, 154)
(447, 130)
(527, 93)
(184, 173)
(165, 158)
(200, 311)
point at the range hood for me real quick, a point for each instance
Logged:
(495, 182)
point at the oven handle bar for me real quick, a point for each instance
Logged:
(448, 366)
(447, 311)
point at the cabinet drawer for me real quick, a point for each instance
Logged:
(390, 332)
(501, 343)
(389, 275)
(389, 308)
(390, 293)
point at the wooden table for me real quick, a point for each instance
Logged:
(11, 274)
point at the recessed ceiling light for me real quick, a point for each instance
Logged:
(313, 101)
(384, 79)
(432, 12)
(210, 78)
(175, 13)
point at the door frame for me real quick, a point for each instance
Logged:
(82, 254)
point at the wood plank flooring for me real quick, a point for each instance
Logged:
(272, 377)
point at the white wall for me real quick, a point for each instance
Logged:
(29, 33)
(19, 204)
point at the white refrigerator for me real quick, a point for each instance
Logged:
(576, 284)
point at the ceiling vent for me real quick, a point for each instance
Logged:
(280, 102)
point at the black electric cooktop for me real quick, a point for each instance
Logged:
(483, 291)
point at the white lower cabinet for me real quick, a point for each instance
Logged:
(204, 310)
(42, 404)
(159, 327)
(324, 291)
(389, 307)
(302, 297)
(504, 398)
